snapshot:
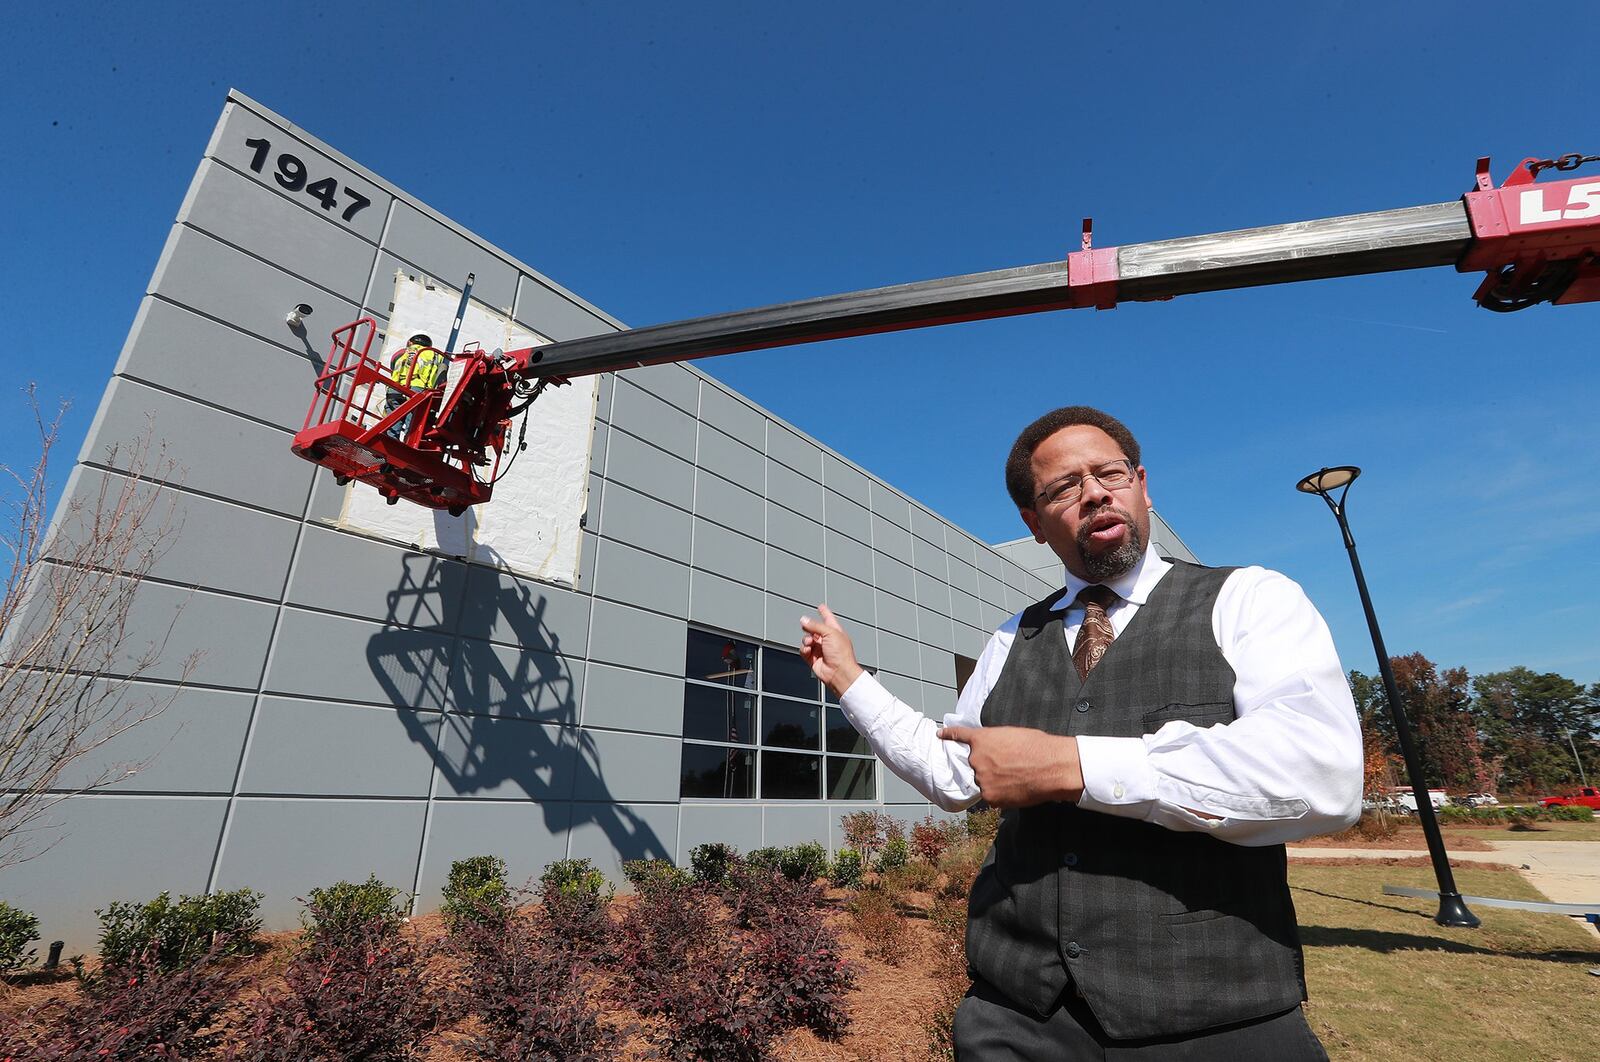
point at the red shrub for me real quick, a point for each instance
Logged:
(363, 996)
(754, 893)
(528, 991)
(797, 972)
(725, 985)
(876, 918)
(133, 1010)
(931, 837)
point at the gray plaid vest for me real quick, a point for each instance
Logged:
(1161, 932)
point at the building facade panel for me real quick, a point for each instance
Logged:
(558, 316)
(642, 521)
(789, 448)
(726, 604)
(502, 607)
(528, 836)
(447, 255)
(622, 699)
(301, 747)
(847, 517)
(485, 757)
(704, 823)
(732, 415)
(649, 470)
(623, 573)
(609, 834)
(794, 491)
(208, 542)
(626, 767)
(219, 364)
(671, 382)
(188, 741)
(345, 573)
(286, 847)
(208, 446)
(653, 419)
(223, 283)
(244, 214)
(487, 678)
(114, 847)
(731, 459)
(318, 655)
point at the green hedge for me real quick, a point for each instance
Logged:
(476, 891)
(1501, 816)
(178, 931)
(18, 929)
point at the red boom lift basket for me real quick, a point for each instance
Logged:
(431, 448)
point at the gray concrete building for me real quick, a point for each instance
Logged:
(363, 707)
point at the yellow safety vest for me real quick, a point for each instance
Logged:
(420, 367)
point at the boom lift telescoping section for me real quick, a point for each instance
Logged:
(1535, 241)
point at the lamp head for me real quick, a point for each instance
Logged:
(1325, 479)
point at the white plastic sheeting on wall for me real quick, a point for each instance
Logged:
(532, 525)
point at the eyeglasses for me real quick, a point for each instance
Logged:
(1068, 489)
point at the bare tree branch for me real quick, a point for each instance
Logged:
(70, 664)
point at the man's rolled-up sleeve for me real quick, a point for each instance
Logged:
(908, 742)
(1287, 767)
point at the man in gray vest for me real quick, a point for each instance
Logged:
(1154, 733)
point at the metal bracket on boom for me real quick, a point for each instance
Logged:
(1092, 273)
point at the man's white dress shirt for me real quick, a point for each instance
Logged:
(1288, 766)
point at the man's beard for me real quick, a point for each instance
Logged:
(1112, 563)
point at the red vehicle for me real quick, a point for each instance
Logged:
(1586, 797)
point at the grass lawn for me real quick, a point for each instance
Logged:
(1544, 831)
(1387, 983)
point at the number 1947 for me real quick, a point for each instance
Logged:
(291, 175)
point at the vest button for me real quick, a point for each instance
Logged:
(1084, 705)
(1070, 859)
(1073, 951)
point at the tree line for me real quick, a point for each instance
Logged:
(1514, 732)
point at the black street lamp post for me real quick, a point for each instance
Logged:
(1452, 908)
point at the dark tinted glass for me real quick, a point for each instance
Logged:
(790, 776)
(718, 714)
(717, 771)
(852, 779)
(789, 724)
(720, 659)
(842, 737)
(789, 675)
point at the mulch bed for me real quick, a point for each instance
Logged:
(889, 1006)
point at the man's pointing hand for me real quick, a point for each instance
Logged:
(829, 651)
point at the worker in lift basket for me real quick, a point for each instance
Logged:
(416, 365)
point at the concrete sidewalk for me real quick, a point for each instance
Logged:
(1565, 871)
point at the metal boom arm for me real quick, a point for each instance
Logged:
(1386, 240)
(1535, 241)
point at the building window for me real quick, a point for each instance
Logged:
(757, 723)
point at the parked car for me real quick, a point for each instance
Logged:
(1480, 800)
(1405, 799)
(1587, 796)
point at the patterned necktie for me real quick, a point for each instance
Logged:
(1096, 634)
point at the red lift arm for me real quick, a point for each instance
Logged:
(1535, 241)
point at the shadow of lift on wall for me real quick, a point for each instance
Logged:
(498, 720)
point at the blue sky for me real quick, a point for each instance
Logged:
(666, 161)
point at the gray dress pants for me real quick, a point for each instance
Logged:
(989, 1028)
